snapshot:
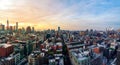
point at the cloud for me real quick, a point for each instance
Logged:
(69, 14)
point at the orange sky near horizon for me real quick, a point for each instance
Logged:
(36, 26)
(26, 13)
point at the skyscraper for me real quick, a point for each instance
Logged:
(11, 28)
(2, 27)
(28, 29)
(58, 29)
(58, 33)
(16, 26)
(7, 25)
(118, 56)
(32, 29)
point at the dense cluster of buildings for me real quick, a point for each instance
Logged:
(61, 47)
(15, 51)
(15, 28)
(31, 48)
(50, 51)
(93, 47)
(16, 44)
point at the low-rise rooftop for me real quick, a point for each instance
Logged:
(5, 45)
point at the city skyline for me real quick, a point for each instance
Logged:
(68, 14)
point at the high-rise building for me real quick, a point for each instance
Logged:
(118, 56)
(33, 29)
(58, 33)
(11, 28)
(23, 29)
(58, 29)
(16, 26)
(2, 27)
(28, 29)
(7, 25)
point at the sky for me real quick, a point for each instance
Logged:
(68, 14)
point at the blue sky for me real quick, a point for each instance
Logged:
(68, 14)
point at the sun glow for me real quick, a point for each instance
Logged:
(71, 15)
(5, 4)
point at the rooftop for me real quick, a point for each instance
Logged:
(5, 45)
(80, 55)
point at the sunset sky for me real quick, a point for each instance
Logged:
(68, 14)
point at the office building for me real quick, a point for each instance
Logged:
(6, 50)
(17, 58)
(58, 29)
(33, 58)
(16, 26)
(28, 29)
(33, 29)
(7, 61)
(118, 56)
(77, 57)
(7, 25)
(11, 28)
(2, 27)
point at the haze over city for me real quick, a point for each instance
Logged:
(68, 14)
(59, 32)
